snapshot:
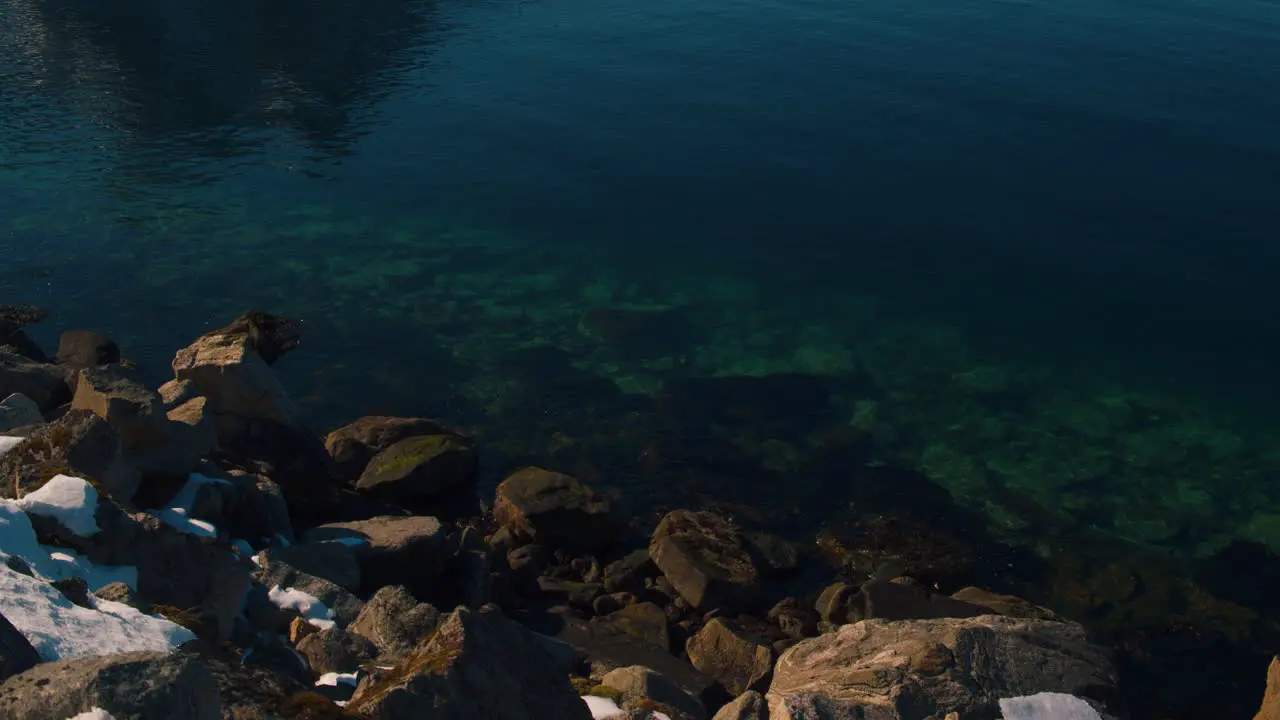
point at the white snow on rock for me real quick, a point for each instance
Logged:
(58, 629)
(178, 512)
(8, 443)
(69, 500)
(332, 679)
(602, 708)
(311, 609)
(1047, 706)
(17, 538)
(94, 714)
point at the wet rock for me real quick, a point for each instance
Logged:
(833, 604)
(1270, 709)
(637, 683)
(16, 653)
(416, 470)
(128, 685)
(642, 623)
(353, 446)
(395, 622)
(74, 589)
(455, 673)
(747, 706)
(412, 551)
(629, 573)
(793, 619)
(45, 384)
(901, 601)
(18, 410)
(336, 651)
(118, 592)
(739, 663)
(344, 605)
(334, 562)
(555, 510)
(80, 444)
(1005, 604)
(918, 668)
(707, 560)
(85, 349)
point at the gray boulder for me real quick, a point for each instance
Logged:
(345, 605)
(737, 661)
(330, 561)
(86, 348)
(411, 551)
(395, 622)
(638, 683)
(707, 560)
(417, 470)
(353, 446)
(130, 686)
(336, 651)
(44, 383)
(18, 410)
(79, 443)
(555, 510)
(919, 668)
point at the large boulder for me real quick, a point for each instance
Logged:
(85, 349)
(737, 661)
(418, 470)
(44, 383)
(639, 624)
(279, 576)
(129, 686)
(412, 551)
(478, 664)
(353, 446)
(708, 561)
(641, 686)
(1270, 709)
(16, 653)
(79, 443)
(555, 510)
(247, 505)
(13, 318)
(395, 622)
(334, 562)
(747, 706)
(336, 651)
(921, 668)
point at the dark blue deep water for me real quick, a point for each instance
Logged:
(761, 255)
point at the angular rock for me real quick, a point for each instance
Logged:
(556, 511)
(576, 594)
(345, 606)
(237, 380)
(250, 691)
(13, 318)
(643, 623)
(16, 653)
(74, 589)
(833, 604)
(418, 468)
(80, 444)
(707, 560)
(128, 685)
(918, 668)
(777, 556)
(793, 619)
(455, 673)
(336, 651)
(1270, 709)
(353, 446)
(247, 506)
(747, 706)
(738, 662)
(85, 349)
(270, 652)
(43, 383)
(412, 551)
(641, 683)
(629, 573)
(133, 410)
(334, 562)
(18, 410)
(177, 392)
(395, 622)
(118, 592)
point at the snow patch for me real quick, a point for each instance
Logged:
(178, 512)
(1047, 706)
(69, 500)
(94, 714)
(311, 609)
(602, 708)
(58, 629)
(8, 443)
(332, 679)
(18, 538)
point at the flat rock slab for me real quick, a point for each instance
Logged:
(555, 510)
(391, 550)
(708, 561)
(353, 446)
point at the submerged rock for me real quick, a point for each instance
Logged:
(85, 349)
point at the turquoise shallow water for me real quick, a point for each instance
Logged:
(700, 253)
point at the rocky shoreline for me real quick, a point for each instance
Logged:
(196, 551)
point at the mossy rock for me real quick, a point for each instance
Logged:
(420, 467)
(605, 691)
